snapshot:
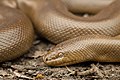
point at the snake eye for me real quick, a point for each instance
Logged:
(60, 54)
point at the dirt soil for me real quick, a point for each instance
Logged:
(30, 66)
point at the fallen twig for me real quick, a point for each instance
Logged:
(94, 69)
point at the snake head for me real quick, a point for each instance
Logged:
(59, 58)
(53, 58)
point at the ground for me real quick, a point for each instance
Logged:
(30, 66)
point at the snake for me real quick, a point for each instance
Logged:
(78, 38)
(16, 33)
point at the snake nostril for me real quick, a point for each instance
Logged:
(46, 59)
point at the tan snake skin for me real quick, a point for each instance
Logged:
(86, 6)
(53, 21)
(85, 48)
(16, 33)
(103, 49)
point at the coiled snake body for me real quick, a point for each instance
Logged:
(92, 38)
(16, 33)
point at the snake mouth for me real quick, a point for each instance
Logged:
(52, 62)
(49, 60)
(58, 61)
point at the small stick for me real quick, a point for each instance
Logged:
(87, 72)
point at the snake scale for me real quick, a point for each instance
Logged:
(78, 39)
